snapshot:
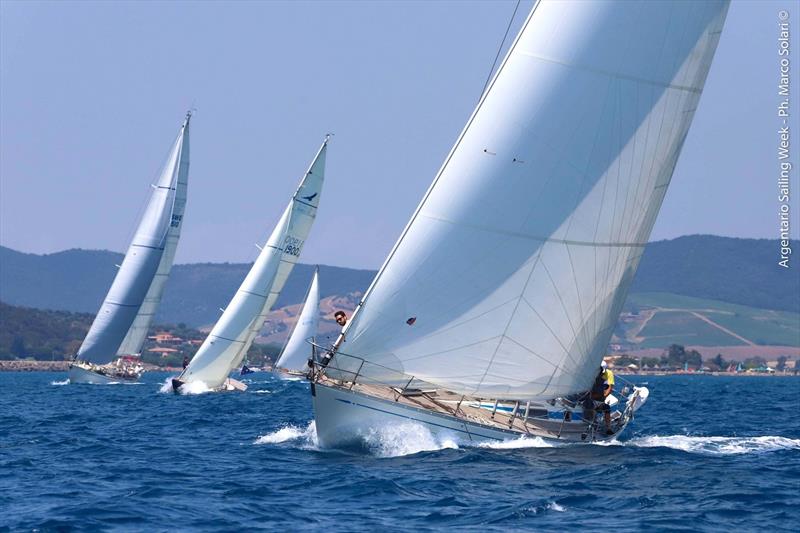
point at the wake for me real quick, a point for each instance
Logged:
(715, 445)
(522, 442)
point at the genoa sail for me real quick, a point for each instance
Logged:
(226, 346)
(296, 351)
(121, 324)
(509, 277)
(132, 344)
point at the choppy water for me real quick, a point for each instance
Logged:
(706, 453)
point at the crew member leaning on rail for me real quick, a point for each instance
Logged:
(602, 388)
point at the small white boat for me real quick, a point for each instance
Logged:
(506, 284)
(119, 330)
(226, 346)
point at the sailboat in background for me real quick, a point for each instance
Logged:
(120, 327)
(294, 356)
(495, 307)
(226, 346)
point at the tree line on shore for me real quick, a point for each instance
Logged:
(677, 357)
(45, 335)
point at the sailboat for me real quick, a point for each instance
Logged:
(111, 351)
(492, 313)
(226, 346)
(293, 359)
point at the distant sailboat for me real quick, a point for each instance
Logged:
(226, 346)
(294, 357)
(120, 327)
(496, 305)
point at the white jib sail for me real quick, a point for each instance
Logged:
(297, 350)
(117, 327)
(508, 280)
(227, 344)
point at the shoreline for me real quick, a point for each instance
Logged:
(683, 373)
(62, 366)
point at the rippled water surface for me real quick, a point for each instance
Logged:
(705, 453)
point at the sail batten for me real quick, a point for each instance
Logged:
(226, 346)
(121, 324)
(516, 263)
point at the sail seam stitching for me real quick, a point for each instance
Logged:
(610, 73)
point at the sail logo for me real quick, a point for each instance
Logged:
(292, 246)
(176, 221)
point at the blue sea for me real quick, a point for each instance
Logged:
(705, 453)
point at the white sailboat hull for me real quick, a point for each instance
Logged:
(230, 385)
(78, 374)
(344, 417)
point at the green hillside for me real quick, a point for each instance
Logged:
(741, 271)
(40, 334)
(655, 320)
(56, 336)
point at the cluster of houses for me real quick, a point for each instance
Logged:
(167, 344)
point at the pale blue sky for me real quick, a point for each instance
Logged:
(92, 94)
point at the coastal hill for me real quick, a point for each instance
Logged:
(739, 271)
(77, 280)
(697, 290)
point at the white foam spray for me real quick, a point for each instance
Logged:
(549, 506)
(306, 437)
(522, 442)
(716, 445)
(193, 387)
(406, 439)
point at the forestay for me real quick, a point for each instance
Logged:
(508, 279)
(227, 344)
(297, 350)
(121, 323)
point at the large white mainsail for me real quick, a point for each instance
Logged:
(296, 351)
(227, 344)
(120, 326)
(509, 277)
